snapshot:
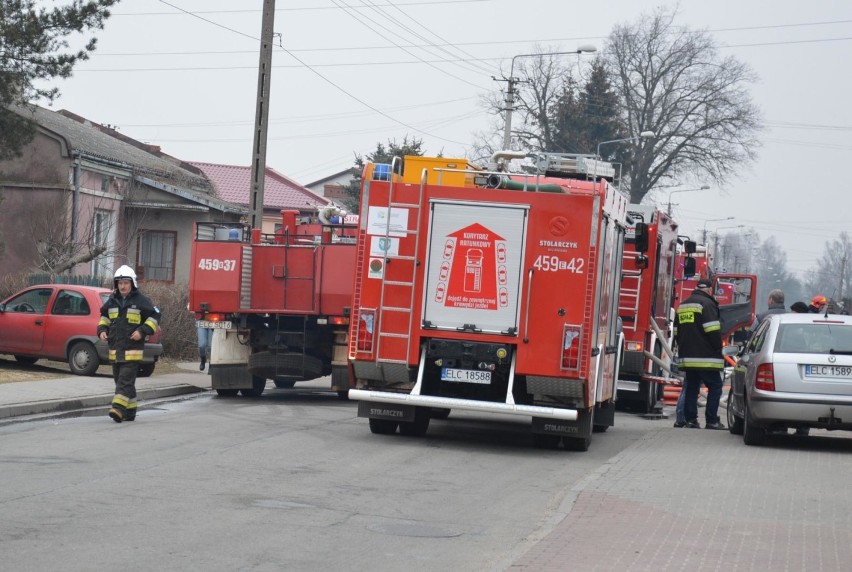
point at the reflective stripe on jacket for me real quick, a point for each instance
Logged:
(120, 317)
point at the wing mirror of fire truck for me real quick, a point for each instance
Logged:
(689, 247)
(640, 235)
(689, 266)
(641, 261)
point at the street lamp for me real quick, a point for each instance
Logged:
(643, 135)
(701, 188)
(510, 88)
(704, 232)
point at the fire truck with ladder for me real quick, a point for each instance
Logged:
(279, 303)
(481, 290)
(647, 287)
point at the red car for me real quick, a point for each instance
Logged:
(59, 322)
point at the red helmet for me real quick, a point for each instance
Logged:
(819, 300)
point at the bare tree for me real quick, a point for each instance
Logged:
(672, 81)
(832, 275)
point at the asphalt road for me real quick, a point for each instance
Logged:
(292, 481)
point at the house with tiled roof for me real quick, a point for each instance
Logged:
(83, 199)
(233, 184)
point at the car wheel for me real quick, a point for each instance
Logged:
(83, 358)
(146, 369)
(26, 360)
(735, 424)
(752, 434)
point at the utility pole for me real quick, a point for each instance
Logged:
(261, 116)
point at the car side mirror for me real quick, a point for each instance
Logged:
(689, 266)
(641, 261)
(730, 351)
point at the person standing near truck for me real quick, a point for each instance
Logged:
(127, 319)
(698, 332)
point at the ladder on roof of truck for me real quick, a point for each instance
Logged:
(404, 285)
(574, 165)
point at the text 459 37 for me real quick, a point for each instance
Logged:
(216, 264)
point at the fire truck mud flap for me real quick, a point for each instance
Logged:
(386, 411)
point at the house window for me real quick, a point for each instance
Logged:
(157, 255)
(103, 234)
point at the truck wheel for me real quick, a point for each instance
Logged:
(83, 358)
(146, 369)
(258, 385)
(440, 412)
(26, 360)
(383, 426)
(419, 426)
(227, 392)
(545, 441)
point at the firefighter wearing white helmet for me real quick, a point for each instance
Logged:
(127, 319)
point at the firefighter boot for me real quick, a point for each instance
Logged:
(203, 355)
(130, 414)
(116, 415)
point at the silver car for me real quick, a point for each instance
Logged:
(794, 372)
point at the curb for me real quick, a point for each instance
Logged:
(75, 404)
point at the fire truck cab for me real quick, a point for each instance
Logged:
(482, 290)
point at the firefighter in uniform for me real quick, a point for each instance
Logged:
(699, 339)
(127, 319)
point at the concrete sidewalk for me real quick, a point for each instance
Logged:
(79, 392)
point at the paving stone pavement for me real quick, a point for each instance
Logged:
(698, 500)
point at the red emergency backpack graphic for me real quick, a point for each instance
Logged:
(473, 269)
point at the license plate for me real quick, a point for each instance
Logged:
(208, 324)
(828, 371)
(465, 375)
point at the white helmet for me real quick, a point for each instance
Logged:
(127, 273)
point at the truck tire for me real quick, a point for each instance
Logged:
(383, 426)
(258, 385)
(271, 365)
(83, 358)
(545, 441)
(284, 384)
(420, 425)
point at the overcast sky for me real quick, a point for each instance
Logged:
(347, 74)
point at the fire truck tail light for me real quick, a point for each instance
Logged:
(765, 377)
(571, 347)
(338, 320)
(632, 346)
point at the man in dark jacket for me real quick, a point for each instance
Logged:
(127, 319)
(699, 339)
(776, 306)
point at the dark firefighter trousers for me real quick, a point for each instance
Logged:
(124, 375)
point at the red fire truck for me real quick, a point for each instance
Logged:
(647, 287)
(481, 290)
(279, 303)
